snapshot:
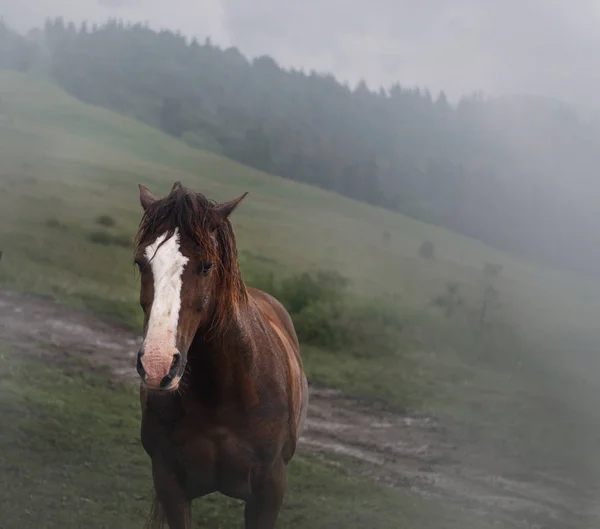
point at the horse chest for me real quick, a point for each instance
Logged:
(209, 457)
(217, 460)
(217, 448)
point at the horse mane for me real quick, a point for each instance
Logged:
(193, 215)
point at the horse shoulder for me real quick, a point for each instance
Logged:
(272, 309)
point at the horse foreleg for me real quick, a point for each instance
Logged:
(171, 502)
(262, 509)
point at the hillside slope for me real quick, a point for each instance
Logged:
(68, 186)
(476, 167)
(67, 162)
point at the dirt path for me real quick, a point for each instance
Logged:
(400, 451)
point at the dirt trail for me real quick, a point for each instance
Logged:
(400, 451)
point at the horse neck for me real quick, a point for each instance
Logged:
(222, 363)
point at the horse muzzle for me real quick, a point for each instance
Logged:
(158, 370)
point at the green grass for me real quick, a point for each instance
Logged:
(70, 457)
(64, 165)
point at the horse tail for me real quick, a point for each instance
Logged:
(156, 517)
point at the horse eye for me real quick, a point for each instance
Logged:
(139, 265)
(204, 268)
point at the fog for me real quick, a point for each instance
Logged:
(435, 243)
(534, 46)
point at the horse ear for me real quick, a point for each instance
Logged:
(222, 211)
(146, 198)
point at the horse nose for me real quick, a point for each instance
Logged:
(167, 379)
(140, 367)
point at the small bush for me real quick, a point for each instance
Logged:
(301, 291)
(264, 281)
(105, 220)
(108, 239)
(325, 315)
(427, 250)
(360, 329)
(318, 324)
(491, 270)
(451, 300)
(56, 224)
(100, 237)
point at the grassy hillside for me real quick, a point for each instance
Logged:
(61, 470)
(501, 169)
(63, 165)
(67, 162)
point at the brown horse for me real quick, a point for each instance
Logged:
(223, 394)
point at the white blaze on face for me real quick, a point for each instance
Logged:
(167, 264)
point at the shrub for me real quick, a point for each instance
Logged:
(451, 300)
(491, 270)
(301, 291)
(318, 324)
(361, 329)
(108, 239)
(56, 224)
(325, 315)
(105, 220)
(264, 281)
(100, 237)
(427, 250)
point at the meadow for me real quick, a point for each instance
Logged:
(70, 457)
(523, 387)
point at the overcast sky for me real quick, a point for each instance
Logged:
(549, 47)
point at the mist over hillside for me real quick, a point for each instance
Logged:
(518, 172)
(462, 377)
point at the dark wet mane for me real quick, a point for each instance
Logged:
(181, 208)
(192, 214)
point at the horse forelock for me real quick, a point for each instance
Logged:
(182, 209)
(192, 216)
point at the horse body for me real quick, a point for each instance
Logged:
(231, 420)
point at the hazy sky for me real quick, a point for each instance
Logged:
(548, 47)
